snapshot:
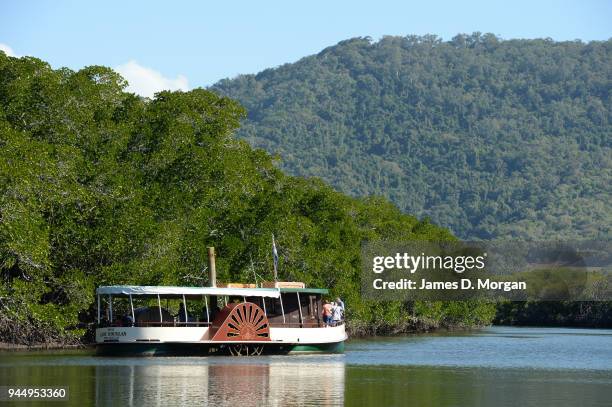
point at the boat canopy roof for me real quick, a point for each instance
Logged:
(321, 291)
(178, 291)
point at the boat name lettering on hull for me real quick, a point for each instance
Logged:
(112, 332)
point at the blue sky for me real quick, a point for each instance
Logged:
(188, 44)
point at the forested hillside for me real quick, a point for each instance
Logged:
(488, 137)
(99, 186)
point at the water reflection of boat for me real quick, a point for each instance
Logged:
(271, 383)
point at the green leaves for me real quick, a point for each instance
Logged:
(101, 187)
(490, 138)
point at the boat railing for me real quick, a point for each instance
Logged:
(172, 324)
(178, 324)
(148, 324)
(294, 325)
(303, 325)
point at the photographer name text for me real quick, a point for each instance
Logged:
(457, 264)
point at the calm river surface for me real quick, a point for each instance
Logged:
(497, 366)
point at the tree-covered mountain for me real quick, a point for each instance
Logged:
(99, 186)
(489, 137)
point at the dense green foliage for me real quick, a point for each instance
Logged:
(98, 186)
(491, 138)
(556, 313)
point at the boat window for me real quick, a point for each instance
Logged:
(312, 300)
(119, 313)
(147, 310)
(274, 310)
(306, 302)
(150, 316)
(290, 304)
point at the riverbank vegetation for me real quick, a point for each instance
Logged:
(99, 186)
(579, 314)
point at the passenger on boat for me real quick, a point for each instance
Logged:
(181, 313)
(336, 314)
(341, 304)
(327, 313)
(127, 320)
(186, 320)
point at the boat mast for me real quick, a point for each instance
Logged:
(212, 278)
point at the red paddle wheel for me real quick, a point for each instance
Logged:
(241, 323)
(244, 322)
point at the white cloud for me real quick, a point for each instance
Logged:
(146, 81)
(7, 50)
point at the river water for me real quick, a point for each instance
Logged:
(498, 366)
